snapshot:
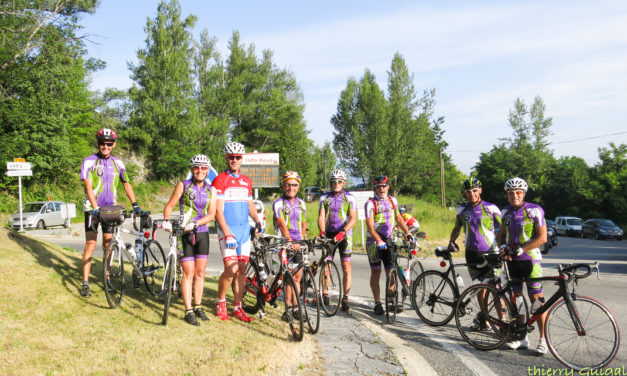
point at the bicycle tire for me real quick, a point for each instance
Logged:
(415, 270)
(168, 287)
(470, 317)
(433, 298)
(250, 299)
(310, 300)
(597, 348)
(330, 287)
(391, 297)
(113, 274)
(295, 320)
(154, 262)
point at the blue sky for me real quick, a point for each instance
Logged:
(479, 57)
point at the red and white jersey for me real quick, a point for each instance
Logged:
(236, 191)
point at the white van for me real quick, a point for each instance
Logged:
(42, 214)
(570, 226)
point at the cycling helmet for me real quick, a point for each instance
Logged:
(381, 179)
(199, 160)
(106, 134)
(471, 183)
(290, 175)
(402, 209)
(516, 184)
(338, 174)
(234, 148)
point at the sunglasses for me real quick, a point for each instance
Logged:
(474, 190)
(516, 193)
(201, 168)
(378, 186)
(234, 157)
(337, 181)
(107, 144)
(288, 185)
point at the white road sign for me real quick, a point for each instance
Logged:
(18, 166)
(20, 173)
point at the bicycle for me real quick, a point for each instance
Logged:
(256, 290)
(394, 277)
(421, 250)
(330, 280)
(308, 289)
(173, 271)
(146, 258)
(434, 294)
(581, 333)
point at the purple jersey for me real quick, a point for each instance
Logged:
(194, 203)
(105, 175)
(293, 213)
(337, 209)
(478, 223)
(520, 225)
(383, 212)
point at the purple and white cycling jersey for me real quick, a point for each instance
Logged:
(105, 175)
(478, 223)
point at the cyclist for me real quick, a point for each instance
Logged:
(479, 219)
(234, 205)
(336, 218)
(381, 216)
(410, 220)
(197, 203)
(523, 231)
(290, 220)
(101, 174)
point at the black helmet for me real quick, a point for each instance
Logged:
(381, 179)
(471, 183)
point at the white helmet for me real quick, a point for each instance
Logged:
(516, 184)
(338, 174)
(234, 148)
(200, 160)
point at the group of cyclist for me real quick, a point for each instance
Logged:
(522, 231)
(228, 200)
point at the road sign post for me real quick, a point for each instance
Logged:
(19, 167)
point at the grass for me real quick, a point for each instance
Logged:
(48, 328)
(437, 222)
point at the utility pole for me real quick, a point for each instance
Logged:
(442, 180)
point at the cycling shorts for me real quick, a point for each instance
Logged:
(242, 236)
(476, 257)
(199, 250)
(376, 256)
(91, 225)
(525, 269)
(344, 247)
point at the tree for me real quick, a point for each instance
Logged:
(324, 164)
(611, 175)
(164, 118)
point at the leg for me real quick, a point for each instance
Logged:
(375, 274)
(186, 283)
(239, 280)
(348, 277)
(199, 280)
(90, 246)
(226, 278)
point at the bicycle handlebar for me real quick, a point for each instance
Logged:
(571, 269)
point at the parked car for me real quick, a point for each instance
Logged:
(551, 235)
(602, 229)
(570, 226)
(43, 214)
(261, 214)
(312, 193)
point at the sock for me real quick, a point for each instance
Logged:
(188, 311)
(85, 283)
(221, 300)
(195, 307)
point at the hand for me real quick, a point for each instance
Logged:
(136, 208)
(230, 241)
(96, 212)
(504, 253)
(452, 247)
(339, 236)
(258, 227)
(322, 234)
(191, 226)
(382, 246)
(296, 247)
(167, 226)
(410, 238)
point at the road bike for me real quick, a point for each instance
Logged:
(259, 276)
(144, 260)
(171, 285)
(308, 293)
(421, 250)
(581, 333)
(397, 276)
(434, 294)
(329, 280)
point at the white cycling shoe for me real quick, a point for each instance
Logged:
(524, 344)
(542, 348)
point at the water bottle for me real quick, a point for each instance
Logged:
(314, 267)
(262, 271)
(407, 275)
(536, 306)
(460, 281)
(138, 250)
(131, 251)
(520, 304)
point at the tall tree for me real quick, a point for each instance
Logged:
(165, 117)
(611, 174)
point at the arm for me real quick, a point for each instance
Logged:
(252, 211)
(321, 219)
(90, 193)
(352, 219)
(220, 219)
(455, 234)
(537, 240)
(129, 192)
(212, 209)
(176, 195)
(372, 231)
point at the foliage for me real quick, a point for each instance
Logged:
(324, 164)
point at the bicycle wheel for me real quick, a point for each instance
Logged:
(309, 298)
(391, 294)
(433, 297)
(482, 316)
(114, 277)
(153, 268)
(250, 299)
(415, 270)
(168, 287)
(293, 312)
(594, 349)
(330, 287)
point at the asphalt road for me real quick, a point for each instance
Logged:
(441, 347)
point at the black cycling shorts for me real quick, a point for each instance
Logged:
(343, 247)
(91, 225)
(198, 250)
